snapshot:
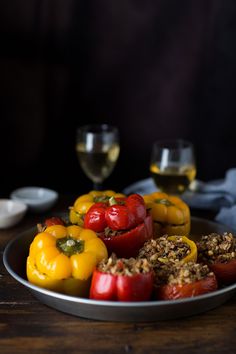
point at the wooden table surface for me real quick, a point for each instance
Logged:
(26, 325)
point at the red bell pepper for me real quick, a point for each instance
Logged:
(218, 252)
(127, 244)
(107, 286)
(122, 224)
(225, 272)
(199, 287)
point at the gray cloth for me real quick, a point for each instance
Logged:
(227, 216)
(215, 194)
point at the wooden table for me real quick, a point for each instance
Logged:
(26, 325)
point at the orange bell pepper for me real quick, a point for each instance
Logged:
(171, 215)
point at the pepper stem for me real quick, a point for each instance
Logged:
(164, 201)
(69, 245)
(112, 201)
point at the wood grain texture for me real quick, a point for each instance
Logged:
(26, 325)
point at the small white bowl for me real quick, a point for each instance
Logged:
(37, 199)
(11, 212)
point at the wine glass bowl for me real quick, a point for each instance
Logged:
(172, 165)
(97, 148)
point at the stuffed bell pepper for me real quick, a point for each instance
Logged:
(169, 249)
(122, 223)
(181, 280)
(171, 215)
(118, 279)
(219, 253)
(63, 259)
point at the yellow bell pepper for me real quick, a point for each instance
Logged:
(85, 201)
(63, 259)
(171, 215)
(192, 256)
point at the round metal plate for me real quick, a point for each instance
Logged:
(14, 259)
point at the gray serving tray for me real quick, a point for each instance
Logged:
(14, 259)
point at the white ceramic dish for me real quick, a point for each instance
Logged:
(37, 199)
(11, 212)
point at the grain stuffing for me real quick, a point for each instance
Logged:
(123, 266)
(217, 248)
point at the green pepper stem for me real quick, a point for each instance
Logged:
(69, 245)
(164, 201)
(112, 201)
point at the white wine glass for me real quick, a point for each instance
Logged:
(97, 148)
(173, 166)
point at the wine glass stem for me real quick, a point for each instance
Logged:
(97, 186)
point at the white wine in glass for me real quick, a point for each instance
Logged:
(97, 148)
(173, 166)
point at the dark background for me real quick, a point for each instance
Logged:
(155, 68)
